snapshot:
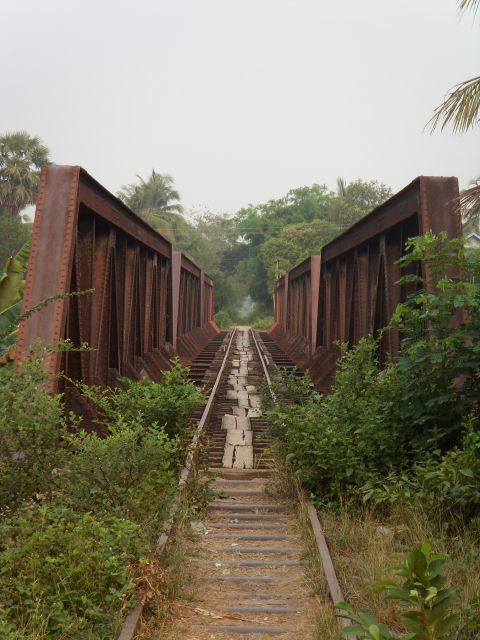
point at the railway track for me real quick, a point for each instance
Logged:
(248, 563)
(204, 367)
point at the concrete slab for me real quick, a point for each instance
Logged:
(238, 387)
(229, 422)
(243, 423)
(239, 437)
(243, 458)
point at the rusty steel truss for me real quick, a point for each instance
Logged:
(349, 291)
(148, 302)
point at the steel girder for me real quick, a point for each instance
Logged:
(139, 312)
(349, 291)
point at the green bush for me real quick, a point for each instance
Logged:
(67, 566)
(446, 484)
(66, 571)
(338, 441)
(223, 319)
(168, 404)
(263, 322)
(32, 431)
(291, 387)
(131, 473)
(438, 367)
(405, 420)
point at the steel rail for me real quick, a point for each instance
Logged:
(132, 620)
(322, 546)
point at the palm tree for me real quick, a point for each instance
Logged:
(470, 205)
(461, 109)
(341, 187)
(21, 158)
(155, 196)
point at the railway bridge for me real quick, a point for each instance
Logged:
(120, 287)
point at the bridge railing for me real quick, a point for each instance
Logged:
(193, 306)
(349, 291)
(86, 238)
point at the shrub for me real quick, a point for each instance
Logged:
(131, 473)
(447, 484)
(223, 319)
(168, 404)
(67, 566)
(32, 428)
(379, 421)
(439, 363)
(262, 322)
(69, 570)
(336, 442)
(291, 387)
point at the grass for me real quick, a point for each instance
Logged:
(363, 545)
(326, 622)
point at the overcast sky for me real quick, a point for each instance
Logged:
(239, 100)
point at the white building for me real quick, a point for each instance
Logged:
(473, 240)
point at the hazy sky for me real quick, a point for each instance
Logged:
(239, 100)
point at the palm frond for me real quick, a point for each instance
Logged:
(461, 107)
(468, 5)
(469, 202)
(341, 187)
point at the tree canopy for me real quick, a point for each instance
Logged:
(269, 239)
(246, 252)
(156, 195)
(21, 158)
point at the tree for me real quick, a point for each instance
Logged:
(293, 245)
(13, 235)
(156, 196)
(461, 109)
(341, 187)
(356, 199)
(21, 158)
(252, 226)
(265, 225)
(181, 233)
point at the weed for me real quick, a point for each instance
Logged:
(432, 603)
(362, 544)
